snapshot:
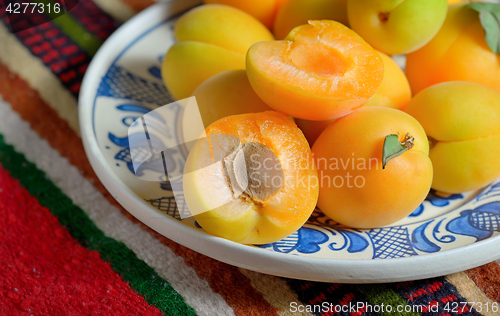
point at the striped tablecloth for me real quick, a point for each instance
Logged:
(67, 247)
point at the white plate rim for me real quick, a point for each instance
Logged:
(252, 258)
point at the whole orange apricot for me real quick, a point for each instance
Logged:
(394, 92)
(297, 12)
(458, 52)
(322, 70)
(252, 178)
(461, 120)
(355, 188)
(227, 93)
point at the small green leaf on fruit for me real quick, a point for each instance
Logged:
(489, 14)
(394, 148)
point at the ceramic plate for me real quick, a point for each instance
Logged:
(447, 233)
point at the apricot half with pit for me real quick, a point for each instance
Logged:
(252, 178)
(322, 70)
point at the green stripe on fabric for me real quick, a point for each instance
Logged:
(381, 294)
(142, 278)
(85, 40)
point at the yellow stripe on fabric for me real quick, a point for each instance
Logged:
(469, 290)
(20, 61)
(277, 292)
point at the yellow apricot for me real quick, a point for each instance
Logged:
(394, 91)
(457, 53)
(262, 10)
(227, 93)
(461, 120)
(210, 39)
(297, 12)
(396, 26)
(355, 188)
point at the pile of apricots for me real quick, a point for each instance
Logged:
(304, 107)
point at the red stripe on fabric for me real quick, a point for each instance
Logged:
(47, 272)
(55, 49)
(428, 289)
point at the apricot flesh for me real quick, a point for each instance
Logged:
(459, 52)
(210, 39)
(322, 70)
(227, 93)
(355, 190)
(251, 212)
(393, 92)
(461, 120)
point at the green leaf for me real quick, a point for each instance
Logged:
(489, 14)
(392, 148)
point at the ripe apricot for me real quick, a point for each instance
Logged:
(227, 93)
(252, 179)
(393, 92)
(297, 12)
(263, 10)
(396, 26)
(210, 39)
(461, 121)
(457, 53)
(355, 189)
(322, 70)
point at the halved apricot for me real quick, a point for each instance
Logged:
(322, 70)
(252, 178)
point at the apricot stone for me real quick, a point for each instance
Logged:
(461, 121)
(210, 39)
